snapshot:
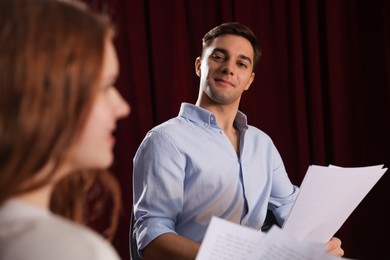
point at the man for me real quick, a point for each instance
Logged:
(208, 161)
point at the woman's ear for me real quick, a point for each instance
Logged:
(198, 62)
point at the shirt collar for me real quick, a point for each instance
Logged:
(207, 118)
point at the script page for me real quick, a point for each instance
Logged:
(226, 240)
(327, 197)
(278, 245)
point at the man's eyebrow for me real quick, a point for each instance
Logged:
(219, 50)
(245, 58)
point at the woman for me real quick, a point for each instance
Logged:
(58, 112)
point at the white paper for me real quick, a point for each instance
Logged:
(226, 240)
(327, 197)
(278, 245)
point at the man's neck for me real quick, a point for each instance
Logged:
(224, 114)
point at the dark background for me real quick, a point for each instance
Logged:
(321, 91)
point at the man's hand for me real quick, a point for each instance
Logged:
(333, 247)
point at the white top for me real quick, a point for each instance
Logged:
(29, 232)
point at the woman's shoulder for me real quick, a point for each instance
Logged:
(52, 237)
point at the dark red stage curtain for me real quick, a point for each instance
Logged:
(322, 88)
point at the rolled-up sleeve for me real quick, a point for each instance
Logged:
(283, 192)
(158, 187)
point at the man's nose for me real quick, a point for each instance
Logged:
(228, 68)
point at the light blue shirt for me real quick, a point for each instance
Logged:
(186, 170)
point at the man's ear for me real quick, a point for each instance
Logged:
(198, 62)
(250, 81)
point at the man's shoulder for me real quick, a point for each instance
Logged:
(173, 125)
(257, 133)
(256, 130)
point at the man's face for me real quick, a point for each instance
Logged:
(226, 69)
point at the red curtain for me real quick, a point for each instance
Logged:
(321, 91)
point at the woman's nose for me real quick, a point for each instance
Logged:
(121, 107)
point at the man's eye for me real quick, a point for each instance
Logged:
(216, 57)
(243, 65)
